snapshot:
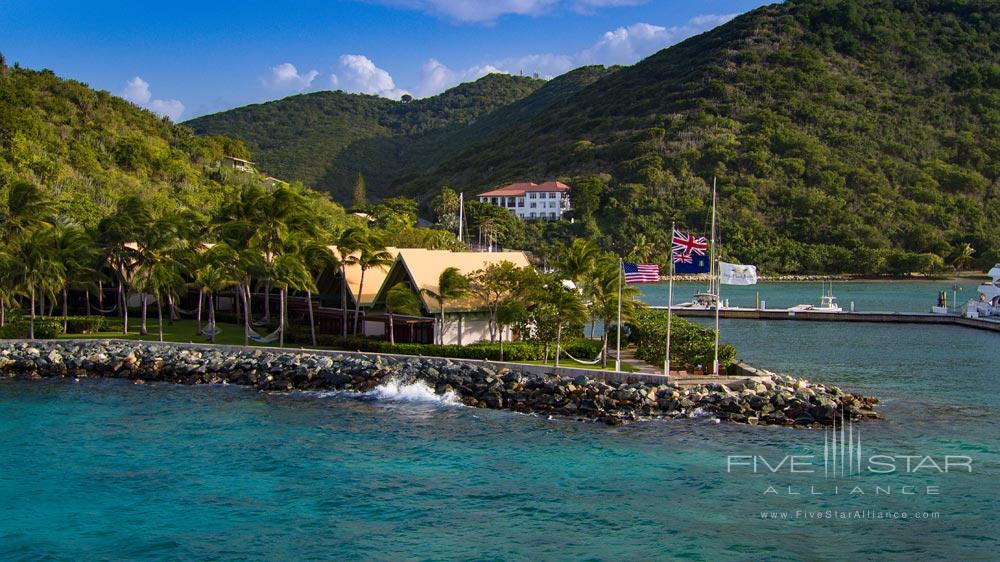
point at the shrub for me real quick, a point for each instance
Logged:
(18, 328)
(512, 351)
(86, 324)
(690, 344)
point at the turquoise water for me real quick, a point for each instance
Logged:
(871, 296)
(109, 470)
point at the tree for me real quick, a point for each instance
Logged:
(445, 207)
(963, 256)
(394, 214)
(118, 233)
(27, 209)
(348, 244)
(585, 195)
(510, 312)
(358, 200)
(496, 284)
(577, 261)
(451, 285)
(602, 286)
(567, 308)
(214, 275)
(291, 273)
(371, 254)
(39, 270)
(74, 249)
(400, 299)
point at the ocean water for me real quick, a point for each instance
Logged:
(108, 470)
(868, 296)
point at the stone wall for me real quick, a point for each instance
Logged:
(771, 399)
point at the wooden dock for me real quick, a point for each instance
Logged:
(873, 317)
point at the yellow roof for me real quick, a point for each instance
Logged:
(425, 267)
(374, 277)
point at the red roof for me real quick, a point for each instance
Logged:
(518, 189)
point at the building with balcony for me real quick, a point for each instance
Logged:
(547, 201)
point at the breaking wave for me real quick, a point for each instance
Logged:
(396, 391)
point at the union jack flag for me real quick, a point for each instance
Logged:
(686, 245)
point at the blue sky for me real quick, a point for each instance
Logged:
(188, 58)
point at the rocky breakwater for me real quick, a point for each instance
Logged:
(770, 399)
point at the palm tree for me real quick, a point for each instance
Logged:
(39, 270)
(371, 254)
(451, 285)
(212, 277)
(291, 272)
(118, 233)
(27, 209)
(400, 300)
(161, 252)
(567, 307)
(348, 243)
(578, 259)
(602, 290)
(75, 250)
(9, 289)
(163, 279)
(963, 257)
(509, 312)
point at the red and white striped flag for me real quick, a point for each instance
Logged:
(641, 272)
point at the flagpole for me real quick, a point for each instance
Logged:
(670, 301)
(618, 345)
(461, 214)
(718, 285)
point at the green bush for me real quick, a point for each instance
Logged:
(512, 351)
(690, 344)
(18, 328)
(87, 324)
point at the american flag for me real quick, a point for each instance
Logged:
(686, 245)
(641, 272)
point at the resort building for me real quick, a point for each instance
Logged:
(237, 164)
(357, 292)
(466, 318)
(549, 200)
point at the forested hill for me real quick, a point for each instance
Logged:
(87, 149)
(326, 138)
(838, 130)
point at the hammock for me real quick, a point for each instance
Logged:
(104, 310)
(273, 336)
(581, 361)
(211, 330)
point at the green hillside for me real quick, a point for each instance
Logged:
(87, 149)
(858, 136)
(846, 136)
(325, 138)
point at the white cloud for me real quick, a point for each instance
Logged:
(475, 11)
(288, 78)
(626, 45)
(361, 75)
(137, 91)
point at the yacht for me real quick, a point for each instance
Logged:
(989, 297)
(827, 303)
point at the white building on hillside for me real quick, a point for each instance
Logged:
(547, 200)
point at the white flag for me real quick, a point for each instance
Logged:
(736, 274)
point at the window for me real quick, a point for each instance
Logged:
(532, 214)
(533, 205)
(552, 215)
(510, 201)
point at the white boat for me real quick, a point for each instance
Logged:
(701, 301)
(989, 297)
(827, 303)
